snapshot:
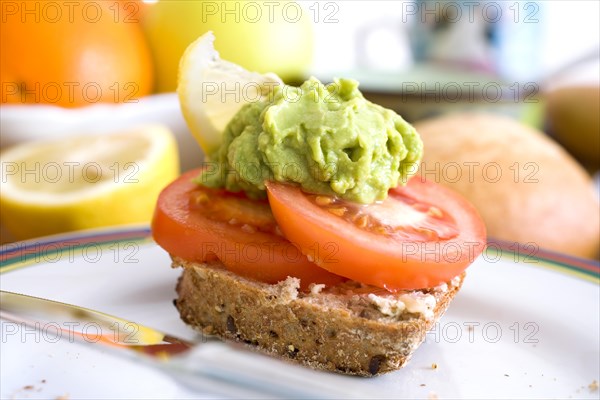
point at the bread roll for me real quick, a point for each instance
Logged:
(526, 187)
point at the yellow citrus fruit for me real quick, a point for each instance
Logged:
(212, 90)
(84, 182)
(262, 36)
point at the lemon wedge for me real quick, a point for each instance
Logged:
(212, 90)
(86, 181)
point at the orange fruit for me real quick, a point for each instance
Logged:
(73, 54)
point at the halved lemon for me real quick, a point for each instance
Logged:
(86, 181)
(212, 90)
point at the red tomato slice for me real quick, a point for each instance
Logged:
(421, 236)
(201, 224)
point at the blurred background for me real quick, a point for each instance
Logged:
(87, 68)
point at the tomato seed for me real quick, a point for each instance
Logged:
(380, 230)
(323, 200)
(339, 211)
(202, 198)
(435, 212)
(427, 232)
(362, 221)
(248, 229)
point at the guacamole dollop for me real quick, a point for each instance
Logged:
(327, 138)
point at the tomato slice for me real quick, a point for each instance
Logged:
(421, 236)
(201, 224)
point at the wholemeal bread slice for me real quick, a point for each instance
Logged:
(349, 328)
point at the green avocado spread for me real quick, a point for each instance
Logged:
(327, 138)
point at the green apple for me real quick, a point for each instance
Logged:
(261, 36)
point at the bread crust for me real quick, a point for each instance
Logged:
(331, 330)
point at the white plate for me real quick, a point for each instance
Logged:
(22, 123)
(521, 327)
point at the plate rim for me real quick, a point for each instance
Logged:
(17, 255)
